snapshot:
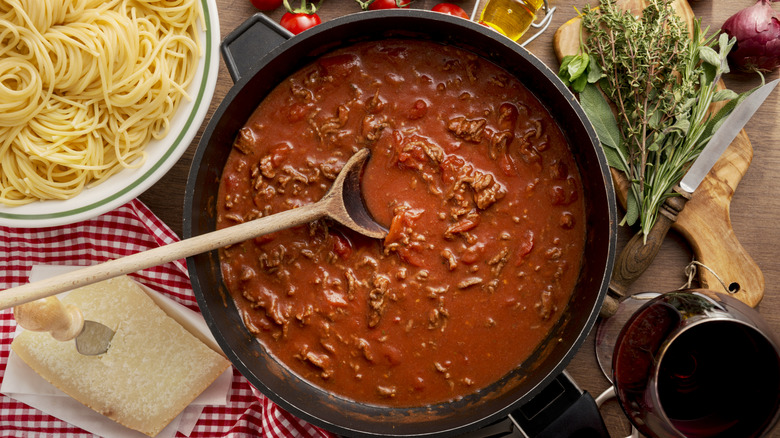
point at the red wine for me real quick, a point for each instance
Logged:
(685, 366)
(634, 358)
(719, 378)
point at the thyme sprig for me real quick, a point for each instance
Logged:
(646, 83)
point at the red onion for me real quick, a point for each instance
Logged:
(757, 30)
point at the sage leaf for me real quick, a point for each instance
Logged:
(600, 115)
(716, 120)
(632, 209)
(724, 94)
(710, 72)
(709, 55)
(682, 125)
(725, 44)
(661, 79)
(613, 158)
(688, 104)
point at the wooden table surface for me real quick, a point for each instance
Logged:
(755, 206)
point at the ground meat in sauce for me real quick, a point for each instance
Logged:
(482, 199)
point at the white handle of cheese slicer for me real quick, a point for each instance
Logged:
(50, 315)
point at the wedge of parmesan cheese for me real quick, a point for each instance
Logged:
(153, 369)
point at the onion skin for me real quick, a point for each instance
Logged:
(757, 30)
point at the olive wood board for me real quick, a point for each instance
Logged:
(705, 221)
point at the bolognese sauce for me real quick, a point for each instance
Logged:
(482, 198)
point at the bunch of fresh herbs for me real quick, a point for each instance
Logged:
(646, 83)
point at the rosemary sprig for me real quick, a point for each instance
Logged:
(659, 80)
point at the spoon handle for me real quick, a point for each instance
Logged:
(157, 256)
(50, 315)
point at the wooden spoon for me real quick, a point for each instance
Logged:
(343, 203)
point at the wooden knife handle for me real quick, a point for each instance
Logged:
(50, 315)
(639, 253)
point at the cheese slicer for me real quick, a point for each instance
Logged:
(64, 322)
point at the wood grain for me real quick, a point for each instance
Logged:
(705, 222)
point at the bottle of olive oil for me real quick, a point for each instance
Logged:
(510, 17)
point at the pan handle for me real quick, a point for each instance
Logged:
(562, 409)
(251, 41)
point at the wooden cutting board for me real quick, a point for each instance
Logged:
(705, 221)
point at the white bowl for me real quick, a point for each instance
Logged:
(162, 154)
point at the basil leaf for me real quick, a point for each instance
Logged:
(578, 65)
(594, 71)
(579, 83)
(563, 72)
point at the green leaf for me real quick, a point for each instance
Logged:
(579, 84)
(688, 104)
(682, 125)
(724, 94)
(725, 44)
(716, 120)
(632, 209)
(613, 158)
(563, 71)
(710, 72)
(594, 71)
(577, 66)
(710, 56)
(655, 120)
(600, 115)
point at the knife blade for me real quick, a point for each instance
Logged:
(64, 323)
(724, 136)
(640, 250)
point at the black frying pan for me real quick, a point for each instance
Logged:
(536, 380)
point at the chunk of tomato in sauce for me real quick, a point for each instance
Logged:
(525, 245)
(399, 236)
(418, 110)
(402, 221)
(342, 246)
(450, 168)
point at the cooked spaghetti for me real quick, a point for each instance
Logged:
(85, 85)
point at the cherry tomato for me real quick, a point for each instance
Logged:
(266, 5)
(388, 4)
(297, 22)
(450, 9)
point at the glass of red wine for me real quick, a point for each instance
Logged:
(697, 364)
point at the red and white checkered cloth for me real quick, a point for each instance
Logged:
(124, 231)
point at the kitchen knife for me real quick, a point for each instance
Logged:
(640, 251)
(64, 323)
